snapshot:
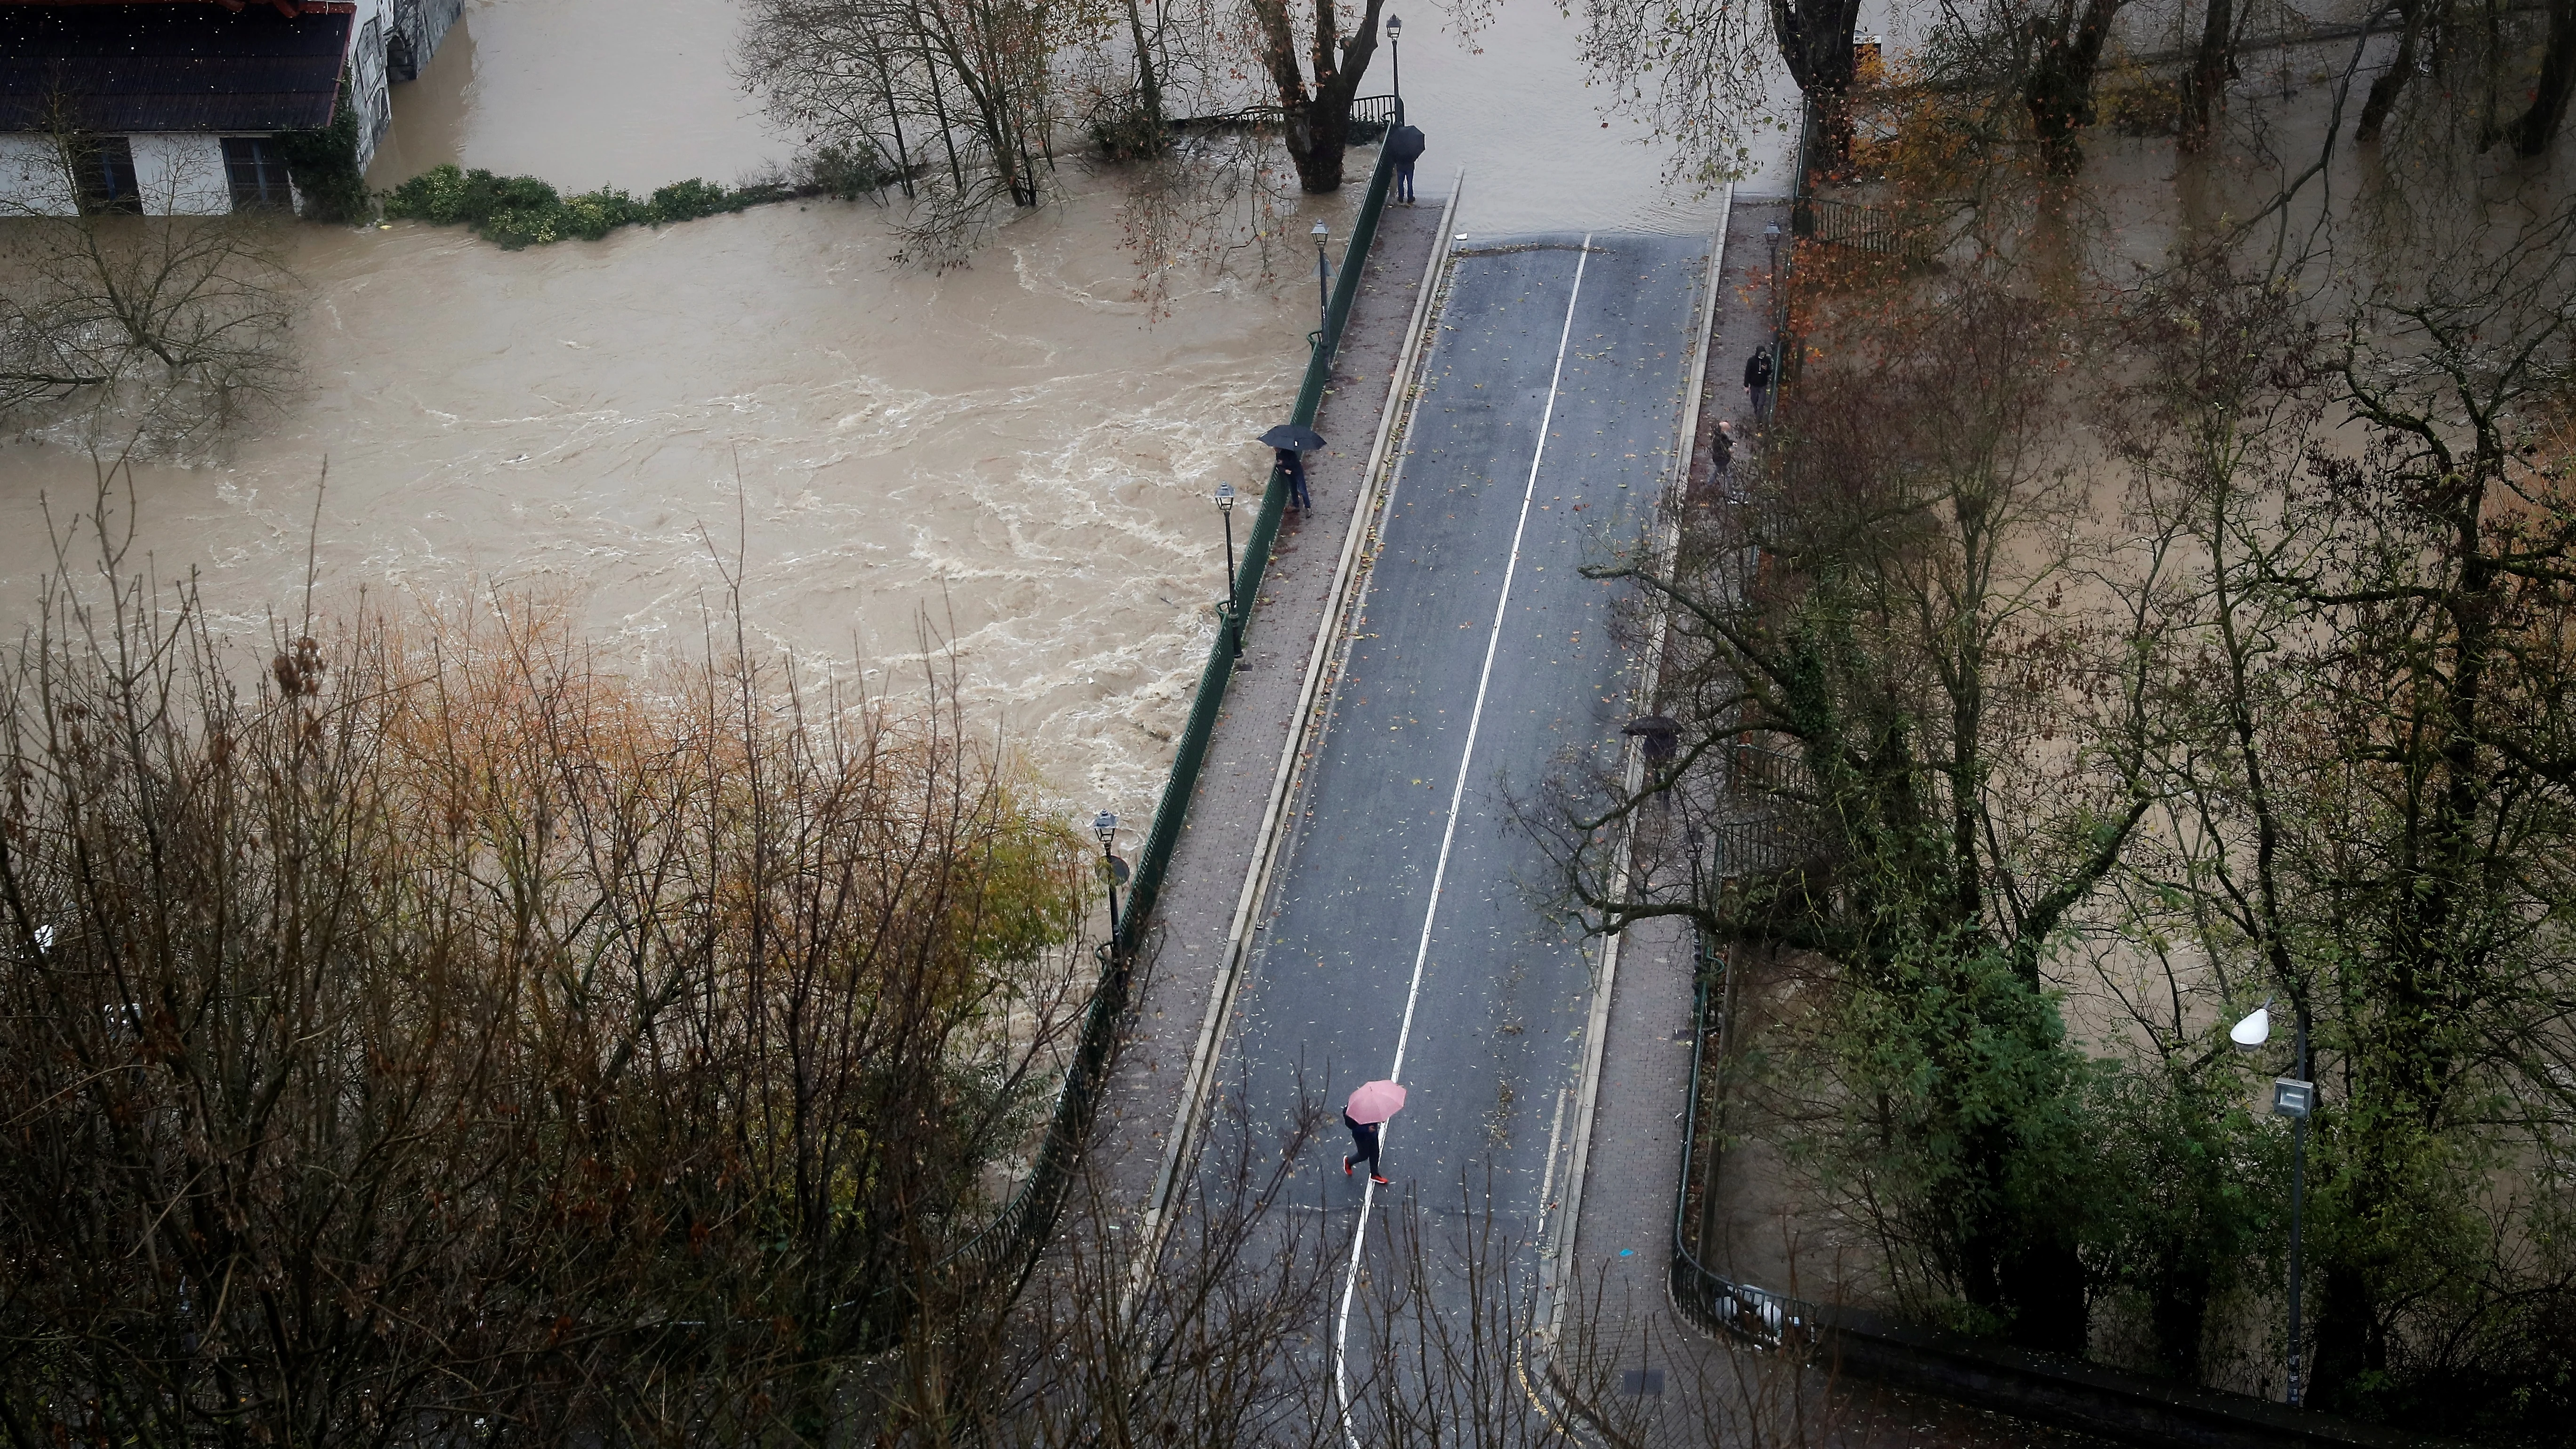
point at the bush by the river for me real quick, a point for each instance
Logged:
(522, 211)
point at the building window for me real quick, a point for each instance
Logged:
(257, 173)
(106, 168)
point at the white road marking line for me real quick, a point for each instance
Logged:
(1457, 798)
(1555, 1134)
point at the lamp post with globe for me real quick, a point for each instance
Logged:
(1233, 603)
(2294, 1097)
(1323, 285)
(1395, 60)
(1105, 825)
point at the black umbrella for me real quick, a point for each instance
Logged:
(1289, 435)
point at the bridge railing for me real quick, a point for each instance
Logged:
(1007, 1250)
(1371, 116)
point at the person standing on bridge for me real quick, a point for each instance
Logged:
(1293, 463)
(1757, 382)
(1404, 145)
(1369, 1108)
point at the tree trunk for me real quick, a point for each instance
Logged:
(2059, 90)
(1816, 45)
(2384, 91)
(2532, 134)
(1318, 122)
(2205, 88)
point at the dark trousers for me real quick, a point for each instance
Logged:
(1365, 1134)
(1404, 181)
(1297, 484)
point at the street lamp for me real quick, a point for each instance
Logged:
(2294, 1097)
(1105, 825)
(1779, 319)
(1323, 276)
(1233, 604)
(1395, 58)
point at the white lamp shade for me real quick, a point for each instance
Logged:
(2254, 1030)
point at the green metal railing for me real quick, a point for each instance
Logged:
(1010, 1246)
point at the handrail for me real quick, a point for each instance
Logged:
(1381, 110)
(1714, 1301)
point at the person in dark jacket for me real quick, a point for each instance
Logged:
(1294, 465)
(1364, 1136)
(1404, 143)
(1757, 381)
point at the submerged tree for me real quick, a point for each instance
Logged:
(161, 327)
(1317, 108)
(960, 98)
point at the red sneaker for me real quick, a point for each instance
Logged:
(1346, 1167)
(1380, 1181)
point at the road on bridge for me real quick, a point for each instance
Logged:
(1404, 931)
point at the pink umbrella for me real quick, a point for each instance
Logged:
(1376, 1101)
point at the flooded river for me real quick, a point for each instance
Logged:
(1015, 455)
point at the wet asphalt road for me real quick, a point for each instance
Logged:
(1480, 659)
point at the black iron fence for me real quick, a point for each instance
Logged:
(1007, 1250)
(1370, 118)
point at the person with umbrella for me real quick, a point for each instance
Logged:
(1404, 143)
(1290, 443)
(1369, 1108)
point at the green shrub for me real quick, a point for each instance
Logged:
(688, 200)
(522, 211)
(847, 172)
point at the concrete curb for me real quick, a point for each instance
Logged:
(1256, 880)
(1562, 1241)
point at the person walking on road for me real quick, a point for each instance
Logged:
(1364, 1134)
(1293, 463)
(1404, 144)
(1368, 1110)
(1757, 381)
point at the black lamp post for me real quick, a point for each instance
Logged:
(2294, 1097)
(1233, 604)
(1323, 280)
(1395, 58)
(1105, 825)
(1779, 318)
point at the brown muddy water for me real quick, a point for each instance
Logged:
(1015, 456)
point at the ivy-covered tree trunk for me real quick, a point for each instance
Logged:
(323, 163)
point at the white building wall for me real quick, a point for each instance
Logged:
(32, 182)
(182, 175)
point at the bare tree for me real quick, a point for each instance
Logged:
(963, 91)
(170, 325)
(1701, 69)
(430, 1035)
